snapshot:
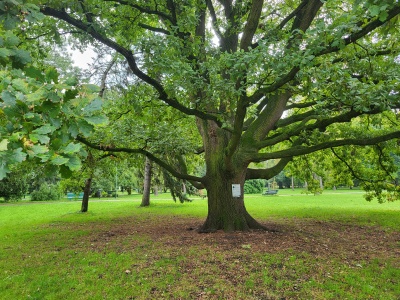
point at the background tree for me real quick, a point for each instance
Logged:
(15, 186)
(259, 80)
(282, 180)
(146, 183)
(254, 186)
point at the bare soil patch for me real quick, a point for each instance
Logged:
(321, 239)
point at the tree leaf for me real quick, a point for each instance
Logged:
(383, 16)
(72, 148)
(85, 128)
(20, 85)
(45, 129)
(8, 98)
(11, 40)
(53, 97)
(73, 130)
(51, 74)
(4, 52)
(43, 139)
(74, 163)
(91, 88)
(3, 145)
(97, 120)
(34, 73)
(18, 155)
(374, 10)
(3, 170)
(9, 21)
(59, 160)
(65, 171)
(93, 106)
(35, 96)
(39, 149)
(22, 57)
(72, 81)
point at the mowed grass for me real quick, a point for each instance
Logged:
(120, 251)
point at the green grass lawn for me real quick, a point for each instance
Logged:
(118, 250)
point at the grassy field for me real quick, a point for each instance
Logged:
(331, 246)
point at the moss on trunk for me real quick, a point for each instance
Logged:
(225, 211)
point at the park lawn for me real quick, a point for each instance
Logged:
(331, 246)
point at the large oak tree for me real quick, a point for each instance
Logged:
(260, 80)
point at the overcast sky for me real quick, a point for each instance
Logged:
(82, 60)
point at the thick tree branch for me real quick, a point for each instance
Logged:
(352, 171)
(302, 21)
(292, 14)
(251, 24)
(280, 82)
(304, 17)
(303, 117)
(368, 28)
(365, 30)
(302, 150)
(88, 15)
(237, 130)
(268, 117)
(154, 29)
(214, 19)
(269, 172)
(151, 156)
(321, 124)
(163, 96)
(300, 105)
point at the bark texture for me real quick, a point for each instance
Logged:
(224, 211)
(86, 193)
(147, 183)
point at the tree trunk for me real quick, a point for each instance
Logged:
(184, 191)
(225, 210)
(146, 183)
(86, 193)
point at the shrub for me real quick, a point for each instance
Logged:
(47, 192)
(13, 187)
(254, 186)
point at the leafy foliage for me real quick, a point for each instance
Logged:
(47, 192)
(14, 186)
(40, 116)
(254, 186)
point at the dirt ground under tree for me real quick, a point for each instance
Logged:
(322, 239)
(291, 261)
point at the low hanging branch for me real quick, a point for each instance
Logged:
(353, 172)
(302, 150)
(197, 181)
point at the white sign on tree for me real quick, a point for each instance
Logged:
(236, 190)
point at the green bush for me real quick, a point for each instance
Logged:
(254, 186)
(47, 192)
(13, 187)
